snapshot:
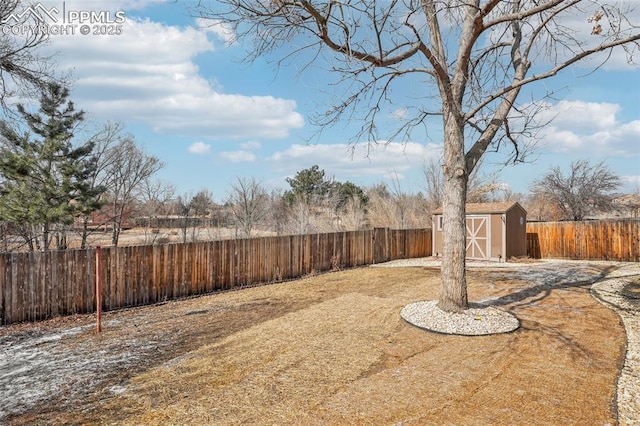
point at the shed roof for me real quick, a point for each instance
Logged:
(487, 208)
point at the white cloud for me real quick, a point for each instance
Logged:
(199, 148)
(400, 113)
(251, 146)
(631, 181)
(147, 74)
(345, 160)
(587, 116)
(393, 176)
(111, 5)
(572, 126)
(238, 156)
(215, 26)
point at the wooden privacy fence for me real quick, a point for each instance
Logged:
(589, 240)
(35, 286)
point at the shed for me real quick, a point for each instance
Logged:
(495, 231)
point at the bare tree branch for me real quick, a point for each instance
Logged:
(24, 69)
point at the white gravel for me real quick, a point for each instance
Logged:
(436, 262)
(472, 322)
(609, 292)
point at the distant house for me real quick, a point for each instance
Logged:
(495, 231)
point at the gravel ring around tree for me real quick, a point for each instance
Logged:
(471, 322)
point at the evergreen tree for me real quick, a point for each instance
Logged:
(347, 192)
(308, 186)
(45, 177)
(311, 186)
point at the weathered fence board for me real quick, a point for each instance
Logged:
(589, 240)
(35, 286)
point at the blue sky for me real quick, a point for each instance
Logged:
(184, 94)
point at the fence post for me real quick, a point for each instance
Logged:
(98, 289)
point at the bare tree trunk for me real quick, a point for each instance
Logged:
(194, 230)
(453, 284)
(30, 236)
(45, 237)
(114, 231)
(184, 227)
(61, 239)
(5, 242)
(85, 232)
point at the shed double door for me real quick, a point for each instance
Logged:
(478, 237)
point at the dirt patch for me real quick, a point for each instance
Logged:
(330, 349)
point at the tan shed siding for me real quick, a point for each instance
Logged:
(437, 236)
(496, 236)
(516, 232)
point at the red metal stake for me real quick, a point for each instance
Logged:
(99, 288)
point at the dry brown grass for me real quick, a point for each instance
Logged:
(342, 355)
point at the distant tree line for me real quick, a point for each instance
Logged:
(60, 179)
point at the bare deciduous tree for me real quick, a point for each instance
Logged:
(471, 59)
(434, 182)
(352, 214)
(299, 213)
(192, 209)
(103, 139)
(277, 211)
(155, 197)
(249, 201)
(128, 168)
(539, 208)
(483, 187)
(381, 210)
(392, 208)
(586, 188)
(184, 206)
(404, 203)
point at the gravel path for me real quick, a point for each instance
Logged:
(611, 292)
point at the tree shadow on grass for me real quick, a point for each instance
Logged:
(544, 282)
(551, 280)
(628, 294)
